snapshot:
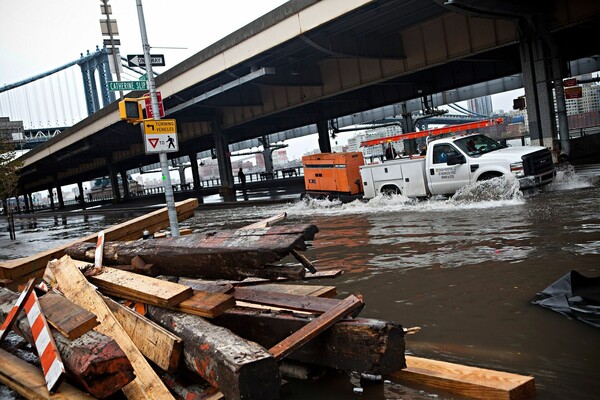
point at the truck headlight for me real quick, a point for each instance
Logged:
(517, 169)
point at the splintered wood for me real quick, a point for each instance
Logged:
(76, 288)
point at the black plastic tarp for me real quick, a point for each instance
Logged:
(573, 295)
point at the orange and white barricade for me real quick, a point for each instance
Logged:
(52, 365)
(14, 312)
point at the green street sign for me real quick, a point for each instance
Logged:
(144, 77)
(127, 86)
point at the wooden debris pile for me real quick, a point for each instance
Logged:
(144, 319)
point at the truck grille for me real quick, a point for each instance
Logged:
(538, 163)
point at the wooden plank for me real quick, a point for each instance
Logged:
(28, 380)
(306, 263)
(129, 285)
(156, 343)
(67, 317)
(315, 327)
(77, 289)
(287, 300)
(332, 273)
(301, 290)
(206, 304)
(465, 380)
(129, 230)
(266, 222)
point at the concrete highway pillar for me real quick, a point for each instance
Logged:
(193, 156)
(224, 161)
(61, 203)
(324, 142)
(30, 198)
(26, 201)
(537, 82)
(125, 180)
(81, 194)
(51, 197)
(114, 180)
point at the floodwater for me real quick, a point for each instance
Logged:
(464, 270)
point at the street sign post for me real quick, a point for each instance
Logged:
(137, 60)
(160, 136)
(148, 103)
(115, 86)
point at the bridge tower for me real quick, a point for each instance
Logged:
(89, 65)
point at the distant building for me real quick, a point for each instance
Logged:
(590, 98)
(481, 105)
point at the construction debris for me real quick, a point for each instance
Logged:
(218, 323)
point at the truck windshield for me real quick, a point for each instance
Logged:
(477, 144)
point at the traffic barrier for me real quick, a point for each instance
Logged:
(12, 316)
(52, 365)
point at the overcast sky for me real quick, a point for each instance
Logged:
(39, 35)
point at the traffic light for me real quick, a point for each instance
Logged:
(519, 103)
(131, 111)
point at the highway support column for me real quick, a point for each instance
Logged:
(541, 67)
(193, 156)
(324, 142)
(224, 161)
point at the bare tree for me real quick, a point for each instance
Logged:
(9, 178)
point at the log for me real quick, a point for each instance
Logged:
(77, 289)
(210, 254)
(362, 345)
(132, 229)
(94, 361)
(238, 368)
(28, 381)
(464, 380)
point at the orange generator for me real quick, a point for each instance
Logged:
(333, 174)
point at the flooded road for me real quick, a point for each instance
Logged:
(464, 270)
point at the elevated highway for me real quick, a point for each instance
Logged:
(311, 61)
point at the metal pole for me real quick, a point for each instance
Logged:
(112, 44)
(164, 166)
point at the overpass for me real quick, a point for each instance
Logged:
(308, 62)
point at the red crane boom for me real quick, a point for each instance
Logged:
(434, 132)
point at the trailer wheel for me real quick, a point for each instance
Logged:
(390, 191)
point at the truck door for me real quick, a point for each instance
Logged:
(444, 178)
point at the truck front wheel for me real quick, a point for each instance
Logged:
(489, 175)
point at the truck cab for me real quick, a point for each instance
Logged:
(452, 163)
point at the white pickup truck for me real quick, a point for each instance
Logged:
(453, 162)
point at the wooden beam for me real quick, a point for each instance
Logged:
(129, 230)
(77, 289)
(361, 344)
(28, 380)
(239, 368)
(132, 286)
(286, 300)
(155, 342)
(315, 327)
(465, 380)
(206, 304)
(67, 317)
(217, 254)
(266, 222)
(94, 361)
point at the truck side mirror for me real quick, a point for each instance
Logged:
(456, 158)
